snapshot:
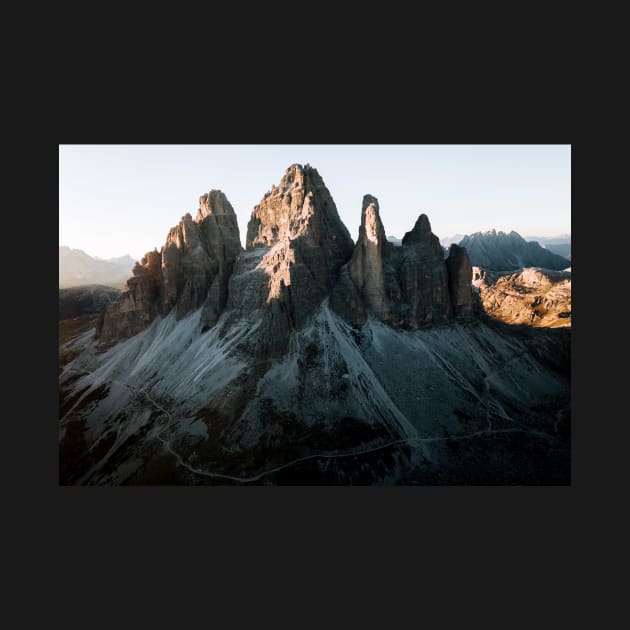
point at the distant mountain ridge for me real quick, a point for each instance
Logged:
(446, 241)
(88, 300)
(560, 244)
(499, 251)
(553, 240)
(77, 269)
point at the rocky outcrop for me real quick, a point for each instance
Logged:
(405, 286)
(296, 244)
(532, 296)
(136, 307)
(191, 270)
(459, 281)
(298, 253)
(498, 251)
(367, 264)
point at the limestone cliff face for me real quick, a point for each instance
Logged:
(459, 281)
(296, 244)
(190, 271)
(405, 286)
(300, 205)
(298, 253)
(367, 264)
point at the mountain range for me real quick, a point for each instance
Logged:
(560, 244)
(499, 251)
(306, 358)
(76, 268)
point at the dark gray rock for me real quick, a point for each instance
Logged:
(192, 270)
(459, 281)
(296, 244)
(404, 286)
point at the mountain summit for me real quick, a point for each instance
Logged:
(309, 359)
(298, 252)
(406, 286)
(190, 271)
(300, 206)
(296, 244)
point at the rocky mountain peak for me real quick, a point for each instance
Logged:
(191, 270)
(408, 286)
(298, 253)
(371, 225)
(300, 205)
(421, 231)
(293, 177)
(296, 243)
(214, 202)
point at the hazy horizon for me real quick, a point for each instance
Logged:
(122, 199)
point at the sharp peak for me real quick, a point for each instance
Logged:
(370, 204)
(420, 231)
(214, 202)
(296, 166)
(300, 200)
(369, 200)
(211, 196)
(371, 224)
(297, 176)
(422, 224)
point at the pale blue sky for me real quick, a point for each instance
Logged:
(122, 199)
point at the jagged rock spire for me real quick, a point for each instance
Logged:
(302, 243)
(460, 281)
(214, 202)
(421, 232)
(300, 205)
(191, 270)
(366, 264)
(408, 286)
(298, 250)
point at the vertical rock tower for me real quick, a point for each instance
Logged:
(296, 244)
(408, 286)
(190, 271)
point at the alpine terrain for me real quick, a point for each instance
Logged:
(78, 269)
(499, 251)
(306, 358)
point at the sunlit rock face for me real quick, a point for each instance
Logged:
(296, 244)
(191, 270)
(533, 296)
